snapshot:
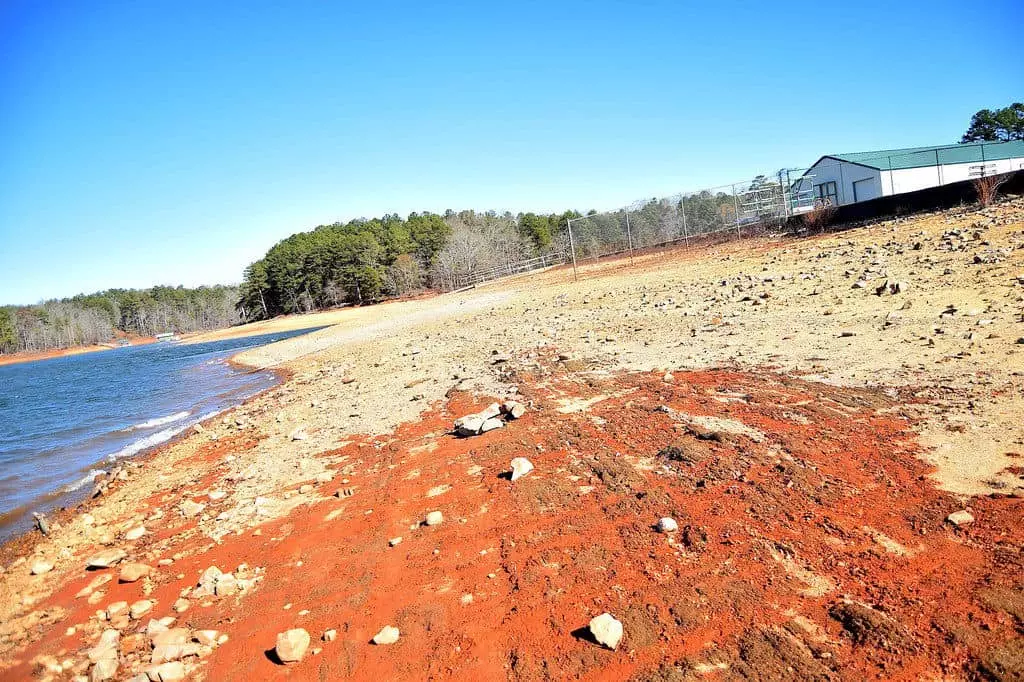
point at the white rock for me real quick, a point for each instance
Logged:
(394, 541)
(961, 518)
(514, 409)
(606, 630)
(217, 495)
(492, 410)
(520, 467)
(291, 645)
(40, 567)
(105, 558)
(135, 533)
(434, 518)
(189, 508)
(469, 425)
(172, 671)
(141, 608)
(330, 635)
(387, 635)
(667, 525)
(491, 424)
(104, 669)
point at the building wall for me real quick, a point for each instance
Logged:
(844, 174)
(913, 179)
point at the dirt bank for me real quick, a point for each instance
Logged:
(814, 435)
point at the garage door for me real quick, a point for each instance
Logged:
(865, 189)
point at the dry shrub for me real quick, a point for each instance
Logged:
(987, 188)
(820, 217)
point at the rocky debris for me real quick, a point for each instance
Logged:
(667, 525)
(171, 671)
(434, 518)
(866, 625)
(394, 541)
(520, 467)
(513, 409)
(489, 418)
(141, 608)
(330, 635)
(180, 605)
(607, 631)
(94, 584)
(132, 571)
(892, 287)
(105, 669)
(190, 509)
(292, 645)
(105, 558)
(961, 518)
(298, 434)
(388, 634)
(41, 523)
(39, 567)
(106, 647)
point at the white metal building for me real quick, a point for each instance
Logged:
(848, 178)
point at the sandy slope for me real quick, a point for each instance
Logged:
(934, 374)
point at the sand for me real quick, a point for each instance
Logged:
(876, 416)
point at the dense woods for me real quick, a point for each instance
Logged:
(100, 317)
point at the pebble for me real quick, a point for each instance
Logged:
(667, 525)
(330, 635)
(434, 518)
(394, 541)
(292, 645)
(606, 630)
(387, 635)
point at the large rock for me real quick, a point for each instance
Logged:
(291, 645)
(141, 608)
(172, 671)
(606, 630)
(491, 424)
(434, 518)
(513, 409)
(106, 647)
(667, 525)
(961, 518)
(40, 567)
(469, 425)
(190, 509)
(103, 670)
(388, 634)
(105, 558)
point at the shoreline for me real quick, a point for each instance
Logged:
(23, 357)
(60, 513)
(647, 396)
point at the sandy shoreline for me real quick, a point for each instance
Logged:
(838, 495)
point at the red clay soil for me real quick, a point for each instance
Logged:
(819, 552)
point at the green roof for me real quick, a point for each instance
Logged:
(917, 157)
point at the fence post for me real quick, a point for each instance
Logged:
(736, 209)
(938, 167)
(572, 249)
(629, 238)
(682, 209)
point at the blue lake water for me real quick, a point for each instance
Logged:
(65, 419)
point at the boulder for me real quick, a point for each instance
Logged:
(490, 424)
(520, 467)
(172, 671)
(387, 635)
(606, 630)
(105, 669)
(513, 409)
(469, 425)
(141, 608)
(330, 635)
(434, 518)
(292, 645)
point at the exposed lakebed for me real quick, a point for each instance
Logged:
(65, 419)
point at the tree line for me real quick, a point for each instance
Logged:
(106, 315)
(363, 261)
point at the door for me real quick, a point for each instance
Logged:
(865, 189)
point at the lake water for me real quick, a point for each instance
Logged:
(64, 420)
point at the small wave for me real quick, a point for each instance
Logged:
(160, 421)
(149, 441)
(85, 480)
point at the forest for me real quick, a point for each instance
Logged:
(106, 315)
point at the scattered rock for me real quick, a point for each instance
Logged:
(387, 635)
(394, 541)
(491, 424)
(133, 571)
(292, 645)
(520, 467)
(961, 518)
(135, 533)
(667, 525)
(40, 567)
(606, 630)
(105, 558)
(298, 434)
(513, 409)
(105, 669)
(330, 635)
(434, 518)
(306, 489)
(171, 671)
(141, 608)
(190, 509)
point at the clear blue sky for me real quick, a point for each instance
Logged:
(151, 143)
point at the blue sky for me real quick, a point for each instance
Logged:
(174, 142)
